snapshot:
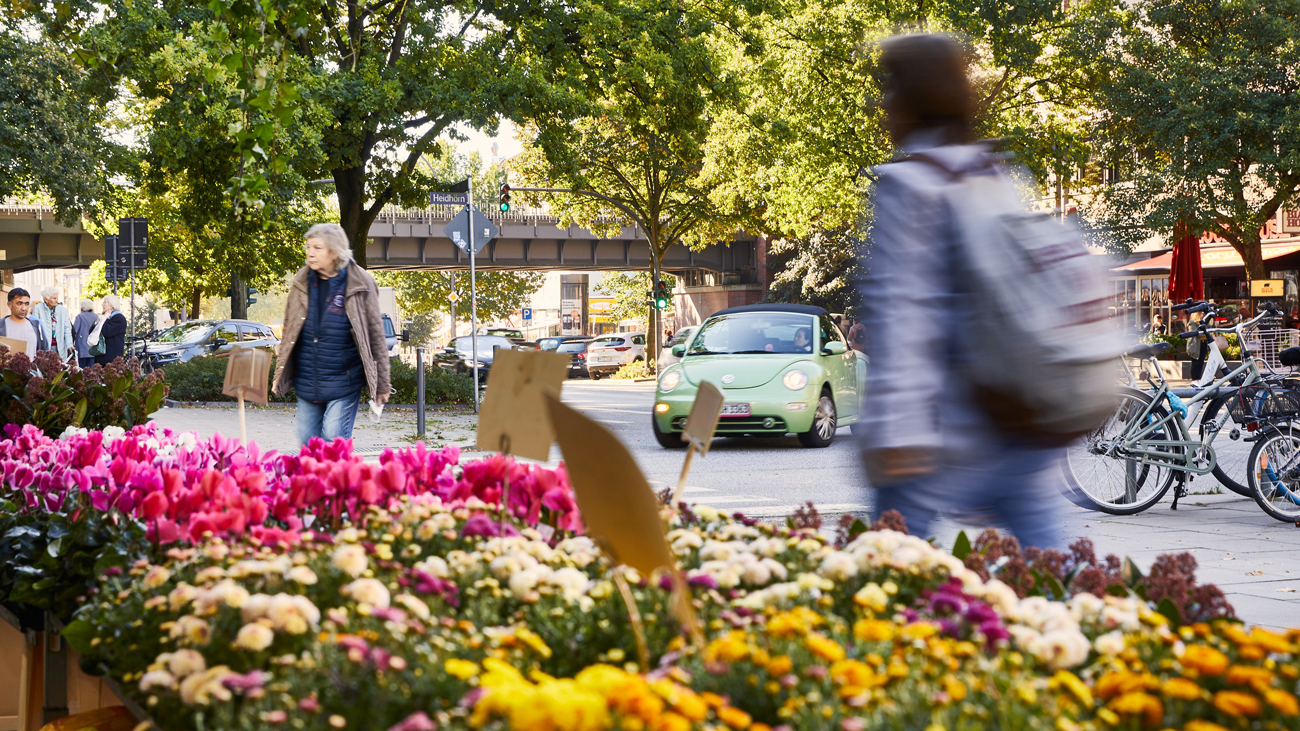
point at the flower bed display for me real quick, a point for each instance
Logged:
(320, 591)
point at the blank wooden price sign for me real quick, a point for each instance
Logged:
(247, 371)
(699, 428)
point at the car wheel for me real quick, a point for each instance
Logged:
(822, 431)
(671, 440)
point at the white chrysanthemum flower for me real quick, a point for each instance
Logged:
(1111, 643)
(838, 566)
(255, 637)
(186, 662)
(367, 591)
(350, 559)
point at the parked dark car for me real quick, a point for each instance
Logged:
(205, 338)
(511, 334)
(577, 352)
(552, 343)
(456, 356)
(390, 335)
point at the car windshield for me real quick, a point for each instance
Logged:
(548, 344)
(186, 333)
(572, 347)
(754, 332)
(607, 341)
(388, 328)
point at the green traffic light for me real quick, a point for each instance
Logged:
(505, 207)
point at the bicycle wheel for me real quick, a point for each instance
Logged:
(1275, 474)
(1232, 457)
(1115, 483)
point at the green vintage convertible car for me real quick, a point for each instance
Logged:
(781, 368)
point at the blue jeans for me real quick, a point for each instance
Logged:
(328, 420)
(1012, 483)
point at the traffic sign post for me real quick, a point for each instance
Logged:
(448, 199)
(526, 313)
(459, 230)
(133, 249)
(470, 230)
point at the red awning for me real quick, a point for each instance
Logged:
(1214, 259)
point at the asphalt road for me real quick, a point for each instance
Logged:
(762, 477)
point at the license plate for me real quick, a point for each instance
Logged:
(735, 409)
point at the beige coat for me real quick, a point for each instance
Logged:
(361, 302)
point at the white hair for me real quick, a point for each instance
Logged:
(112, 301)
(87, 306)
(332, 235)
(49, 292)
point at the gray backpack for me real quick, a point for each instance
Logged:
(1043, 344)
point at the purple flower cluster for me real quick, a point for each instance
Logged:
(958, 614)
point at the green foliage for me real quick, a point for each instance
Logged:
(53, 560)
(45, 393)
(629, 290)
(641, 138)
(1198, 105)
(822, 268)
(201, 379)
(499, 294)
(638, 369)
(440, 387)
(51, 145)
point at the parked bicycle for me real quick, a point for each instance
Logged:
(1129, 463)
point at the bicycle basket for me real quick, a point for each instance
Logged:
(1267, 344)
(1266, 401)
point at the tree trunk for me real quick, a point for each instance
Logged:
(350, 186)
(1253, 255)
(196, 302)
(238, 305)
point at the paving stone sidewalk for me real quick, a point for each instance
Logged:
(273, 427)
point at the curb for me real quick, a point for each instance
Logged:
(285, 405)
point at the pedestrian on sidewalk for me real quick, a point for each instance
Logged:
(56, 321)
(113, 332)
(20, 326)
(333, 343)
(81, 328)
(930, 448)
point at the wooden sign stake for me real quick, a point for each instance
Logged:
(247, 370)
(699, 428)
(634, 616)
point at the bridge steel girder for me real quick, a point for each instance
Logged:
(541, 245)
(31, 241)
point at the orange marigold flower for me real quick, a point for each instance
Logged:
(1118, 683)
(691, 706)
(734, 717)
(780, 665)
(873, 630)
(1137, 703)
(1249, 675)
(1252, 652)
(1181, 688)
(713, 699)
(1197, 724)
(1204, 660)
(824, 647)
(1236, 703)
(919, 631)
(955, 689)
(673, 722)
(730, 647)
(1283, 701)
(1070, 681)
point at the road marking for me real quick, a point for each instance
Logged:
(776, 510)
(737, 499)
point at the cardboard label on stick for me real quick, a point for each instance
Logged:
(703, 419)
(247, 371)
(513, 418)
(618, 506)
(14, 344)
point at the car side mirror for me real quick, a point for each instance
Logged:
(218, 342)
(835, 347)
(679, 350)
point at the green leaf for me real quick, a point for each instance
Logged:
(1118, 590)
(961, 547)
(1130, 572)
(79, 633)
(857, 528)
(1167, 608)
(54, 548)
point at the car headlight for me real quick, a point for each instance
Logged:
(670, 381)
(795, 380)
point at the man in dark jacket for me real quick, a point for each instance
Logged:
(113, 333)
(333, 344)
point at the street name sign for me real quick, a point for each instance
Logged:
(458, 230)
(448, 199)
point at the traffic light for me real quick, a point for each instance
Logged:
(505, 197)
(661, 295)
(249, 295)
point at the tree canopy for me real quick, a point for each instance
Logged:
(1200, 111)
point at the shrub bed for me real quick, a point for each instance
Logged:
(201, 379)
(47, 393)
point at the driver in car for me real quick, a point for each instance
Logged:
(803, 340)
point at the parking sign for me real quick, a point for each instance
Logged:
(527, 313)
